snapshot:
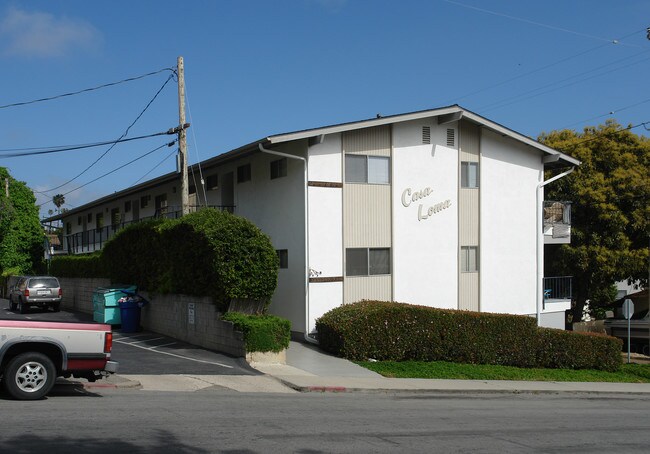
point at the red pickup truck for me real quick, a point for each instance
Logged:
(33, 354)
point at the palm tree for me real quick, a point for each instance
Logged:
(58, 200)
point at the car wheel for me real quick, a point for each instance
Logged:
(12, 305)
(22, 307)
(29, 376)
(56, 307)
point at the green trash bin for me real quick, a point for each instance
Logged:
(105, 303)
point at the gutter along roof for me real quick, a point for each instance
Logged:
(552, 158)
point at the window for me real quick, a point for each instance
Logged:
(278, 168)
(367, 261)
(283, 256)
(116, 218)
(469, 259)
(99, 217)
(469, 175)
(78, 220)
(90, 217)
(243, 173)
(68, 228)
(127, 206)
(212, 182)
(144, 201)
(367, 169)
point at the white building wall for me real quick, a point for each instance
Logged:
(277, 208)
(425, 248)
(325, 228)
(510, 173)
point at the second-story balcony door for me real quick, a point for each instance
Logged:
(135, 206)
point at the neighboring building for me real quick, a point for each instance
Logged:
(436, 208)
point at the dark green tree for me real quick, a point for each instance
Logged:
(21, 233)
(610, 216)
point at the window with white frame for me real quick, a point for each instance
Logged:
(367, 261)
(367, 169)
(469, 262)
(469, 175)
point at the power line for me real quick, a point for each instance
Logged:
(170, 144)
(520, 97)
(611, 112)
(542, 68)
(121, 137)
(607, 134)
(85, 90)
(79, 147)
(539, 24)
(154, 167)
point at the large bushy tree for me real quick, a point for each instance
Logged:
(610, 216)
(21, 234)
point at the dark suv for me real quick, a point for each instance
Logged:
(41, 291)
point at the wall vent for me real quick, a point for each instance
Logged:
(451, 137)
(426, 135)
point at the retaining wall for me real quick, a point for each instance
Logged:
(187, 318)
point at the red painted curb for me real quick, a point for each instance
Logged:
(99, 385)
(327, 389)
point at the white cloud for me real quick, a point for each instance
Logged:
(41, 34)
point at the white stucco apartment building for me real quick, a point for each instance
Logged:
(437, 208)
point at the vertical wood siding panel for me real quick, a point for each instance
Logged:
(468, 217)
(367, 213)
(371, 287)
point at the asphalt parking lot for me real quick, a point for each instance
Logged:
(147, 353)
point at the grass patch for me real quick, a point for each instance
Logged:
(629, 373)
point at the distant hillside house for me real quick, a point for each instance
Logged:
(436, 208)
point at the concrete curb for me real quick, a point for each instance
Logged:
(113, 382)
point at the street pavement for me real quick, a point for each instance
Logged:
(152, 362)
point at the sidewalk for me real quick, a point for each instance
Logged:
(308, 369)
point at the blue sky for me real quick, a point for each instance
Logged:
(256, 68)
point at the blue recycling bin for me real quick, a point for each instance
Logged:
(130, 314)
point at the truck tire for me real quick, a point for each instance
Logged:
(29, 376)
(22, 307)
(12, 305)
(56, 307)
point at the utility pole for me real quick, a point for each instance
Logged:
(7, 187)
(182, 136)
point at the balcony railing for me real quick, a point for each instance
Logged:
(94, 239)
(558, 288)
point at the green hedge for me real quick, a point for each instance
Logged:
(207, 253)
(262, 333)
(398, 332)
(84, 266)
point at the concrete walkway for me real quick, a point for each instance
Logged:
(308, 369)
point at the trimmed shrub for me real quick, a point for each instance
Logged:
(84, 266)
(136, 254)
(571, 350)
(243, 261)
(262, 333)
(207, 253)
(397, 332)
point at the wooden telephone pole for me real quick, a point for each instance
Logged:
(182, 139)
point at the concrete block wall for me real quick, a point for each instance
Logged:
(187, 318)
(78, 293)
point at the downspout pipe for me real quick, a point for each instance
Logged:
(540, 241)
(304, 160)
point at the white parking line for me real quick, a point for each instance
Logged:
(143, 340)
(151, 349)
(164, 345)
